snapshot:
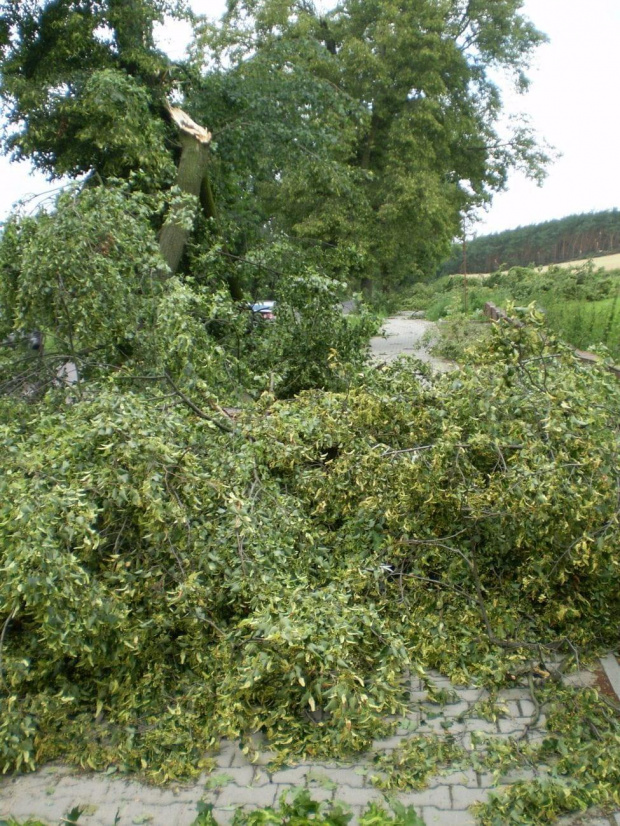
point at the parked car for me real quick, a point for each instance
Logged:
(264, 309)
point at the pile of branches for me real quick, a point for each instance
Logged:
(166, 581)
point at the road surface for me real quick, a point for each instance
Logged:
(403, 337)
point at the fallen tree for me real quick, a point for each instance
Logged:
(166, 581)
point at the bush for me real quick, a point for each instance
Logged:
(581, 303)
(458, 337)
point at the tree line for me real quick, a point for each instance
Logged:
(552, 242)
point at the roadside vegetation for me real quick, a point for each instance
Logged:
(581, 305)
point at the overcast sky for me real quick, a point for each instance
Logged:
(573, 103)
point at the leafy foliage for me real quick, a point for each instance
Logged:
(311, 341)
(415, 761)
(581, 760)
(323, 127)
(89, 278)
(302, 810)
(581, 304)
(79, 273)
(80, 82)
(223, 526)
(422, 146)
(167, 582)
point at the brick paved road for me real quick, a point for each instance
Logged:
(51, 792)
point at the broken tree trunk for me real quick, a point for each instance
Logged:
(192, 180)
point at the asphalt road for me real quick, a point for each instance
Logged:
(403, 337)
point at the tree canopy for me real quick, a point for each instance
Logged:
(425, 145)
(373, 128)
(81, 82)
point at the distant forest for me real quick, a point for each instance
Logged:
(577, 236)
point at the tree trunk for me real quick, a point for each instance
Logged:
(207, 201)
(369, 143)
(191, 180)
(367, 286)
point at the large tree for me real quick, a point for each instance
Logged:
(86, 92)
(425, 107)
(81, 82)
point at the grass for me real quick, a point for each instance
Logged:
(587, 324)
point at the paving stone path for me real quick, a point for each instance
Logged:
(49, 794)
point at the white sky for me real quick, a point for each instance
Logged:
(573, 103)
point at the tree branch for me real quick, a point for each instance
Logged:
(226, 428)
